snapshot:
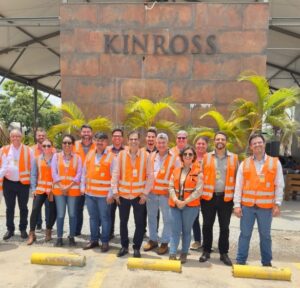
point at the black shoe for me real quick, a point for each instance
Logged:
(225, 259)
(204, 257)
(111, 236)
(267, 264)
(77, 234)
(24, 234)
(123, 251)
(136, 253)
(59, 242)
(91, 245)
(8, 235)
(72, 241)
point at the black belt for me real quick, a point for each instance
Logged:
(219, 193)
(5, 179)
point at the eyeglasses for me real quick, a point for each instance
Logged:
(67, 143)
(47, 146)
(188, 154)
(181, 138)
(134, 139)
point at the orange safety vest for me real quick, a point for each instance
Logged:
(259, 189)
(132, 179)
(37, 152)
(66, 175)
(79, 150)
(98, 176)
(175, 151)
(161, 181)
(189, 185)
(209, 173)
(45, 182)
(24, 163)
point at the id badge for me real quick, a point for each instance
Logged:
(162, 171)
(261, 178)
(97, 168)
(134, 173)
(218, 174)
(102, 174)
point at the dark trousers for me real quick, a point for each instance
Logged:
(38, 202)
(211, 208)
(79, 214)
(40, 215)
(113, 208)
(196, 229)
(12, 191)
(138, 212)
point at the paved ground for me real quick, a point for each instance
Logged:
(105, 270)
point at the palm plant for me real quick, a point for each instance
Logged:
(143, 113)
(73, 118)
(269, 109)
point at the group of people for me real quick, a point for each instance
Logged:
(155, 180)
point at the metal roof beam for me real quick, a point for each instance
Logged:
(29, 82)
(30, 42)
(34, 38)
(283, 68)
(284, 31)
(46, 75)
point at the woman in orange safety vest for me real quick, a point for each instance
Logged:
(185, 190)
(66, 174)
(41, 187)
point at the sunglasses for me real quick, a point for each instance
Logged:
(188, 154)
(47, 146)
(181, 138)
(67, 143)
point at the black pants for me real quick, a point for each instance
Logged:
(209, 210)
(12, 191)
(79, 214)
(113, 208)
(138, 212)
(40, 215)
(196, 229)
(38, 202)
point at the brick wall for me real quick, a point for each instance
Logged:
(100, 83)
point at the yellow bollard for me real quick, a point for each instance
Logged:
(58, 259)
(154, 264)
(270, 273)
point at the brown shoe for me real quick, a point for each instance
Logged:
(183, 257)
(104, 247)
(172, 257)
(48, 235)
(31, 238)
(150, 245)
(163, 249)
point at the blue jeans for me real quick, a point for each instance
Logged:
(181, 223)
(264, 220)
(154, 203)
(61, 203)
(99, 212)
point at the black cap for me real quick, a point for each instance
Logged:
(101, 135)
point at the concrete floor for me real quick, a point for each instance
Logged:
(106, 270)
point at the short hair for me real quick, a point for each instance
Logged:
(185, 149)
(134, 132)
(69, 136)
(256, 135)
(101, 135)
(86, 126)
(182, 132)
(221, 133)
(118, 130)
(204, 138)
(162, 136)
(152, 130)
(41, 129)
(15, 130)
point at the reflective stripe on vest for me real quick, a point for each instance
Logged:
(256, 190)
(161, 181)
(209, 176)
(130, 184)
(98, 182)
